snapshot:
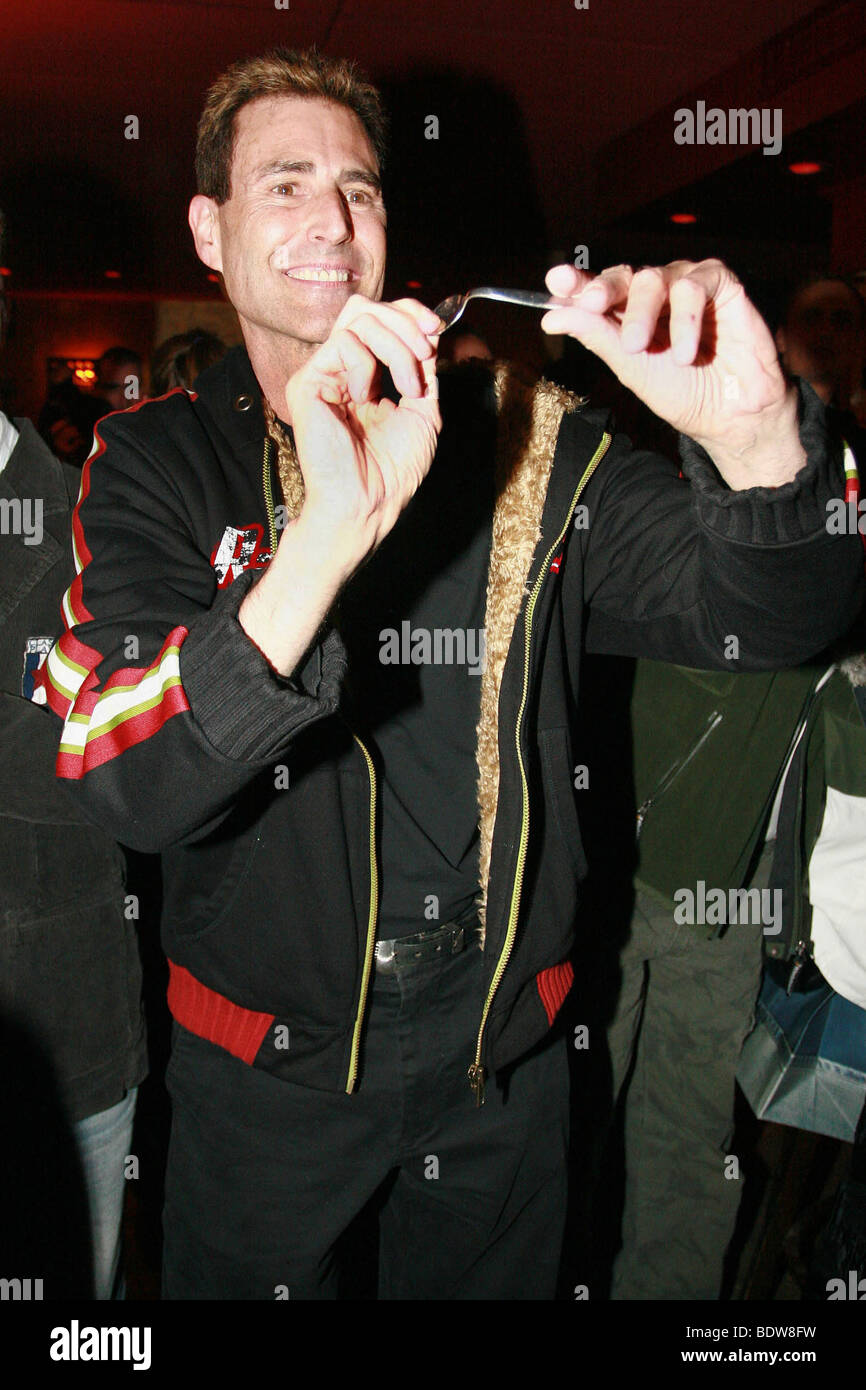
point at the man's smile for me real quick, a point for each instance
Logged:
(321, 274)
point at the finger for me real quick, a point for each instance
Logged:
(346, 365)
(607, 290)
(427, 319)
(593, 330)
(408, 318)
(401, 359)
(566, 280)
(688, 301)
(431, 380)
(647, 296)
(598, 296)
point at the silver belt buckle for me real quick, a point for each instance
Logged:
(384, 954)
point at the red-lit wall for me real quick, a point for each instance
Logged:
(43, 327)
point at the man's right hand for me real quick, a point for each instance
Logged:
(362, 458)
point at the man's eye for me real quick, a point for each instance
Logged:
(358, 196)
(286, 188)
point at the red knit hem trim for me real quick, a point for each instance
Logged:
(553, 986)
(210, 1015)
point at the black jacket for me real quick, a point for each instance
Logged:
(270, 894)
(69, 966)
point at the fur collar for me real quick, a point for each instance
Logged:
(530, 413)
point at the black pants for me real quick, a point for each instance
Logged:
(264, 1176)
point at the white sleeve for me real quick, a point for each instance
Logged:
(837, 891)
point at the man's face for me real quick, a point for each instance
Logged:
(823, 340)
(304, 227)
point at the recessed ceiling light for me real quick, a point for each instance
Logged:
(806, 166)
(681, 218)
(112, 274)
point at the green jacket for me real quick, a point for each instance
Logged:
(709, 750)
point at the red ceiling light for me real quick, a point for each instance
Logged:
(112, 274)
(683, 218)
(414, 285)
(214, 278)
(5, 270)
(806, 166)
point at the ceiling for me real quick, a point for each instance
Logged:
(554, 122)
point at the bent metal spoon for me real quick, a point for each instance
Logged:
(451, 309)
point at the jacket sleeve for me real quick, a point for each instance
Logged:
(686, 570)
(169, 709)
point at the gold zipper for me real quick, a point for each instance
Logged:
(477, 1072)
(267, 484)
(371, 924)
(374, 871)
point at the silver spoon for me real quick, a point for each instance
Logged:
(451, 309)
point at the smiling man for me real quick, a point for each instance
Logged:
(371, 868)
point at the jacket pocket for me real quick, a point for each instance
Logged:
(557, 771)
(205, 887)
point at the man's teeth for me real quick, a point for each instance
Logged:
(314, 273)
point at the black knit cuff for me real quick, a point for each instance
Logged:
(772, 515)
(244, 708)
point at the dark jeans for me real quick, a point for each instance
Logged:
(264, 1176)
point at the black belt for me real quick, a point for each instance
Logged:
(449, 940)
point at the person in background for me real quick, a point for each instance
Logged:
(704, 776)
(118, 378)
(181, 359)
(822, 338)
(70, 980)
(67, 420)
(465, 347)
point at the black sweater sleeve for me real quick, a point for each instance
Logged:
(686, 570)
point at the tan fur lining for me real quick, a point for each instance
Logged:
(291, 477)
(530, 413)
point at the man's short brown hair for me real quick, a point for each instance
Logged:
(281, 72)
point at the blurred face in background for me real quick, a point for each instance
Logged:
(824, 340)
(113, 383)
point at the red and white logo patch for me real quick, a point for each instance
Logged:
(240, 549)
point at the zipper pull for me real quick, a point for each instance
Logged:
(799, 960)
(476, 1082)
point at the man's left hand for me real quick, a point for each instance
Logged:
(686, 340)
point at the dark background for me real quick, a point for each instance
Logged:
(555, 129)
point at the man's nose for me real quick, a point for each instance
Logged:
(331, 219)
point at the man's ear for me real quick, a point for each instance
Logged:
(204, 223)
